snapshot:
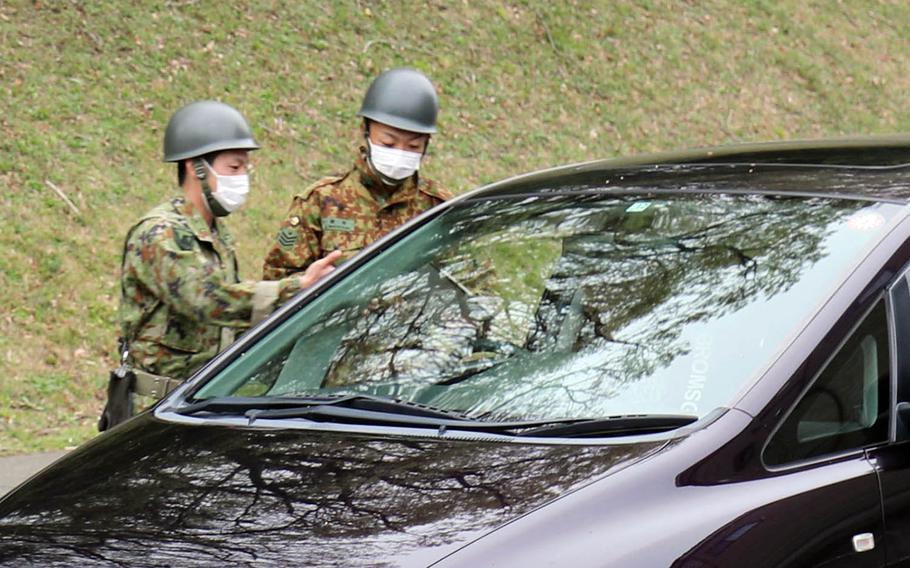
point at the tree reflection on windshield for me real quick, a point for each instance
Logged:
(579, 307)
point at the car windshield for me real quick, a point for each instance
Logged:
(569, 306)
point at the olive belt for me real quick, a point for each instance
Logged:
(147, 384)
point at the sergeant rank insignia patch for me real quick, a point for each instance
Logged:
(287, 237)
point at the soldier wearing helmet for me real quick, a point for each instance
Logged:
(182, 299)
(383, 190)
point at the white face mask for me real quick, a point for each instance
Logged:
(232, 191)
(394, 163)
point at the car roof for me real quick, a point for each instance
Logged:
(874, 167)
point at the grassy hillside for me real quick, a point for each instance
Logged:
(87, 88)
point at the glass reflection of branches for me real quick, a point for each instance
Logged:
(579, 306)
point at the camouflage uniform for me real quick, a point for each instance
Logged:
(182, 299)
(343, 213)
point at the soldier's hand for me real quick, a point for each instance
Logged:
(320, 268)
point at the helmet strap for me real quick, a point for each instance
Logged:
(202, 175)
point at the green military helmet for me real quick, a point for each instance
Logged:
(203, 127)
(403, 98)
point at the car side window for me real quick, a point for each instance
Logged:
(846, 408)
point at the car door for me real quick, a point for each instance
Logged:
(827, 441)
(892, 462)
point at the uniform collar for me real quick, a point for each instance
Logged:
(197, 224)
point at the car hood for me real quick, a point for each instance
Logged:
(159, 494)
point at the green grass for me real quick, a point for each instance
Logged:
(87, 87)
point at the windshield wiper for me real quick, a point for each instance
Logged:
(354, 408)
(393, 416)
(369, 409)
(612, 426)
(287, 407)
(551, 428)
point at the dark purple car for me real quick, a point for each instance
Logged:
(690, 360)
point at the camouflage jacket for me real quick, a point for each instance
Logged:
(182, 298)
(343, 213)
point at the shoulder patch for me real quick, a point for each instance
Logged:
(183, 237)
(287, 237)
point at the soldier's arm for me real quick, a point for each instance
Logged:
(177, 272)
(297, 243)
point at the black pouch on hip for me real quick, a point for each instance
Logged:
(119, 407)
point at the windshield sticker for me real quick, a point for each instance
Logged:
(865, 221)
(638, 207)
(701, 355)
